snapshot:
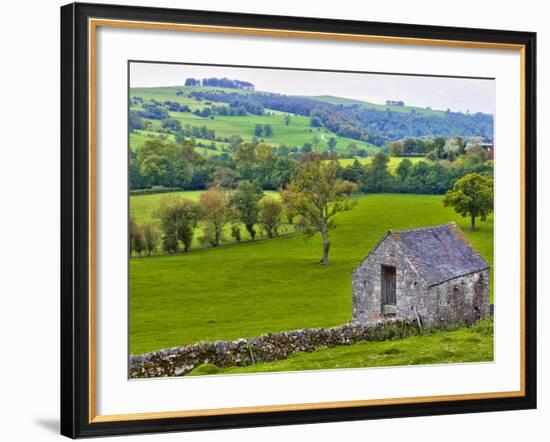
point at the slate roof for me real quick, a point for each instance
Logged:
(439, 253)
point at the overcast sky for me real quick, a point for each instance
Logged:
(457, 94)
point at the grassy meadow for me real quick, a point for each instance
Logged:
(246, 289)
(296, 133)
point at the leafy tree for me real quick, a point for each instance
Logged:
(410, 145)
(396, 148)
(270, 213)
(352, 149)
(206, 112)
(283, 150)
(306, 148)
(137, 242)
(225, 177)
(355, 172)
(439, 146)
(234, 142)
(172, 124)
(217, 211)
(245, 200)
(153, 112)
(192, 82)
(315, 122)
(331, 143)
(432, 155)
(133, 231)
(287, 120)
(151, 237)
(425, 178)
(167, 164)
(289, 215)
(315, 141)
(317, 195)
(236, 232)
(453, 148)
(471, 195)
(258, 130)
(245, 154)
(264, 153)
(137, 181)
(268, 130)
(283, 169)
(377, 175)
(169, 243)
(474, 148)
(178, 219)
(136, 122)
(403, 168)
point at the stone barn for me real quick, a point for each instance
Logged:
(432, 274)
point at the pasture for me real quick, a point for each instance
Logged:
(296, 133)
(246, 289)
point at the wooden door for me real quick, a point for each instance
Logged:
(388, 285)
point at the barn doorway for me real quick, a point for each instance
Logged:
(389, 301)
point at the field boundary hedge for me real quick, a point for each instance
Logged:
(155, 190)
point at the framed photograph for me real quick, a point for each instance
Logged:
(275, 220)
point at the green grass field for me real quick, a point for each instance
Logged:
(473, 344)
(296, 133)
(244, 290)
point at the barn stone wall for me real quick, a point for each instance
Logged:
(367, 281)
(461, 300)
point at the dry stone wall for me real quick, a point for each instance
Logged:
(265, 348)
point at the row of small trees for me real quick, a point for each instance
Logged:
(179, 218)
(143, 238)
(313, 198)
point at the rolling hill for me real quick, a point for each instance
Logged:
(381, 107)
(233, 112)
(297, 132)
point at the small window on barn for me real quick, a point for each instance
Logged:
(388, 288)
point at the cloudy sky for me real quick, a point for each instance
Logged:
(457, 94)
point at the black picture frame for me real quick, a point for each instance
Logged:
(75, 220)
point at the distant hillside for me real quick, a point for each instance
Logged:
(293, 132)
(367, 105)
(323, 122)
(374, 124)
